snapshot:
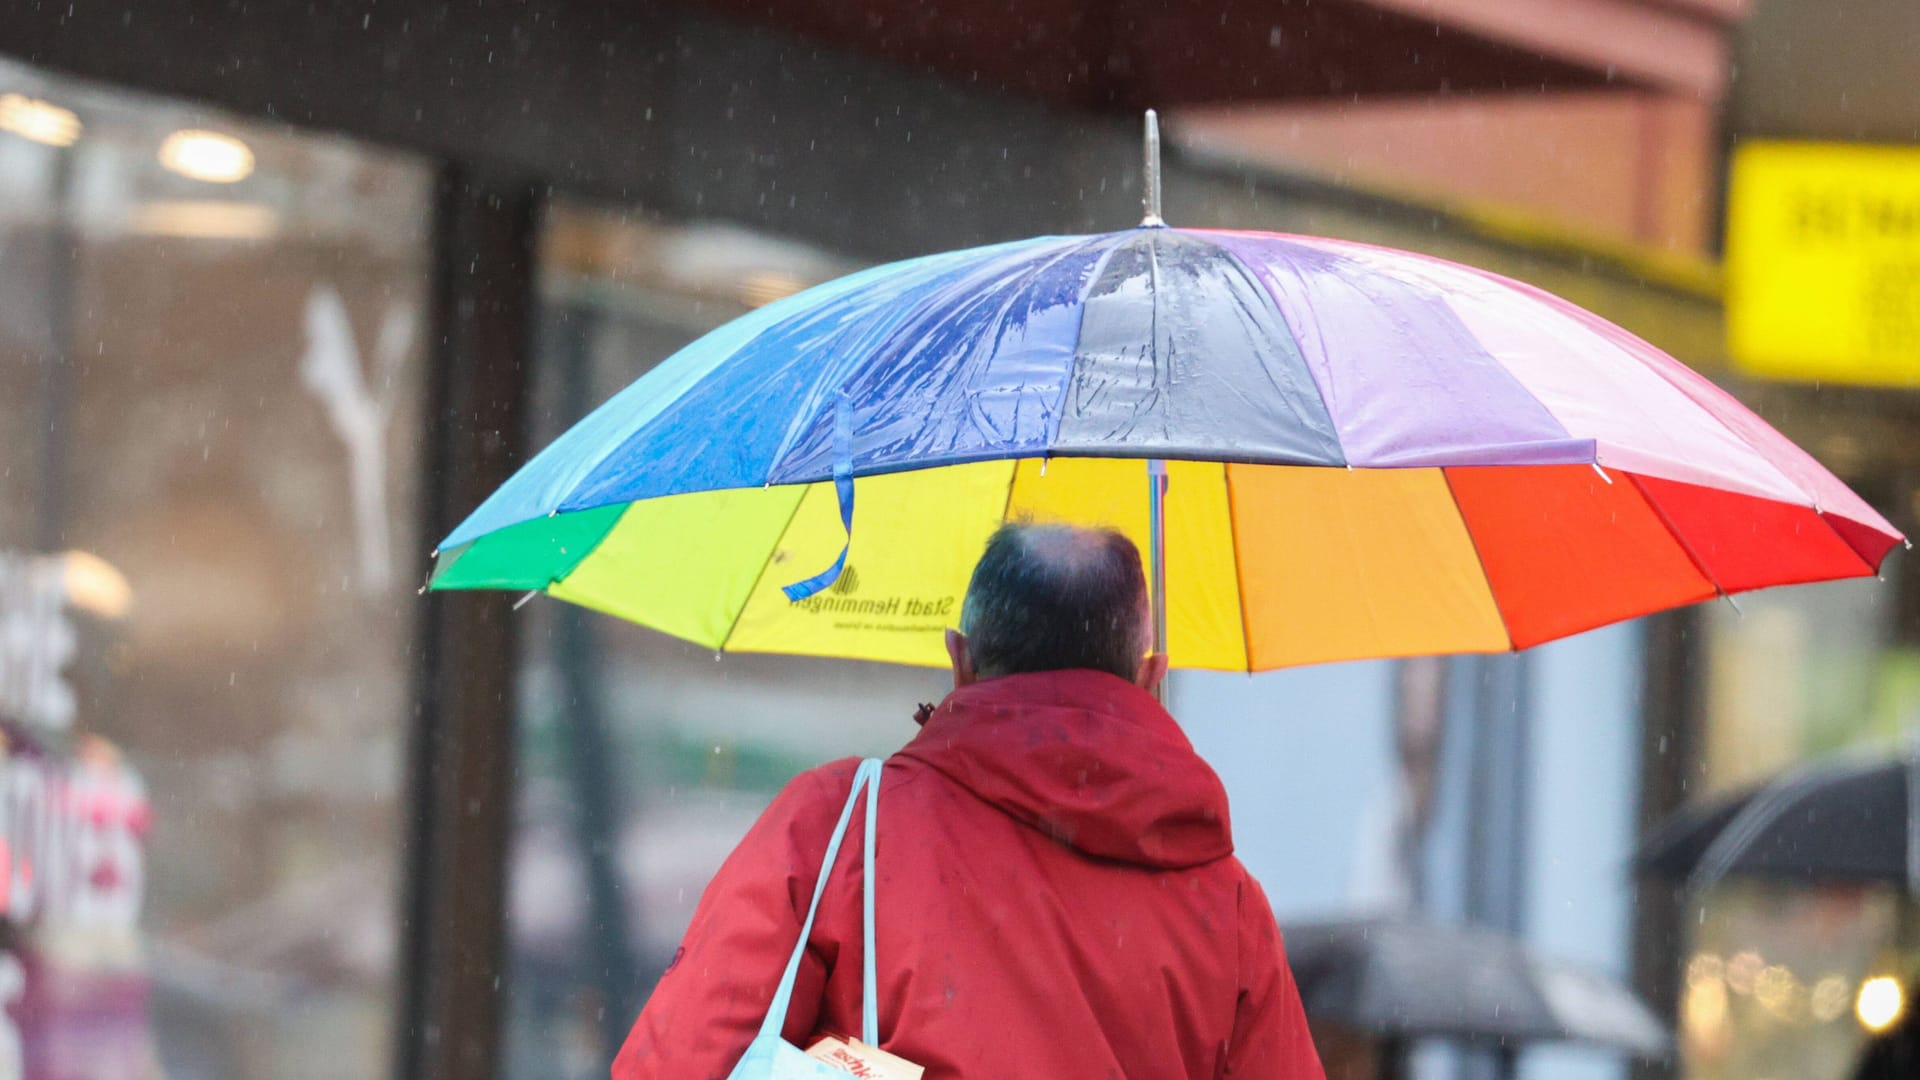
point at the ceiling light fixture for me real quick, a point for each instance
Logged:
(41, 121)
(206, 155)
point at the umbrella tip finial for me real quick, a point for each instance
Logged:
(1150, 180)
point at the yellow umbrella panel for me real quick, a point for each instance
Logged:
(1266, 566)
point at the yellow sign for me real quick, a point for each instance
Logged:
(1823, 263)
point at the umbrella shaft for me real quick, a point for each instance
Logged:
(1157, 548)
(1150, 174)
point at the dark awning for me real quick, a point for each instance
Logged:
(1130, 54)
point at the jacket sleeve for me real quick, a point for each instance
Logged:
(1270, 1037)
(708, 1005)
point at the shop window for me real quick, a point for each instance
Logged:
(210, 373)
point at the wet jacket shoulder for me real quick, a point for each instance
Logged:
(1056, 896)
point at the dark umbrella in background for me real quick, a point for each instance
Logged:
(1400, 980)
(1843, 820)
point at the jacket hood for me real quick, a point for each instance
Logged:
(1088, 758)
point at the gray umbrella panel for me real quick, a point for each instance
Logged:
(1413, 980)
(1850, 819)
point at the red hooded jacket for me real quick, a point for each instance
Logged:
(1056, 898)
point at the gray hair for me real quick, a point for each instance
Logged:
(1054, 597)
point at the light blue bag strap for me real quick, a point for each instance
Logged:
(868, 777)
(869, 998)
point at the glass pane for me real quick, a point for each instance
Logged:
(210, 367)
(643, 759)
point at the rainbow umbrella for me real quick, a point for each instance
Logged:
(1331, 450)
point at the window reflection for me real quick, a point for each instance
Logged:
(209, 378)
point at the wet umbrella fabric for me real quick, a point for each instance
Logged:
(1403, 980)
(1849, 820)
(1419, 456)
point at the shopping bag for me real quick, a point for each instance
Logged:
(770, 1057)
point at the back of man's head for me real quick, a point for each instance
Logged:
(1054, 597)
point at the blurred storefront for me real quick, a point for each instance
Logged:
(1775, 971)
(273, 312)
(1790, 978)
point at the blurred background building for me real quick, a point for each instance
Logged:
(285, 289)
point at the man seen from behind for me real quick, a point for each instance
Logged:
(1056, 891)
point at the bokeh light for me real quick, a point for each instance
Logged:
(1880, 1003)
(1829, 998)
(1778, 991)
(1743, 971)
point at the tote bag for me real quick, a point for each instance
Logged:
(770, 1057)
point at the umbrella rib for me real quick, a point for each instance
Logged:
(1700, 564)
(766, 564)
(1153, 329)
(1446, 477)
(1674, 531)
(1013, 476)
(1239, 582)
(1872, 570)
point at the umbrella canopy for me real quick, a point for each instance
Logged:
(1365, 453)
(1849, 820)
(1406, 980)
